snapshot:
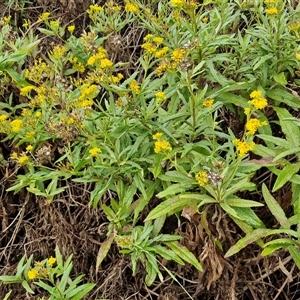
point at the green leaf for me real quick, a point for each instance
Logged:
(176, 176)
(104, 250)
(16, 77)
(185, 254)
(285, 175)
(167, 254)
(173, 189)
(171, 205)
(248, 239)
(295, 253)
(286, 153)
(230, 211)
(275, 140)
(280, 78)
(7, 295)
(26, 286)
(271, 249)
(283, 96)
(275, 208)
(82, 290)
(238, 202)
(289, 128)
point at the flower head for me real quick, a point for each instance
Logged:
(32, 274)
(157, 135)
(160, 96)
(271, 11)
(243, 147)
(202, 178)
(94, 151)
(208, 103)
(162, 146)
(16, 125)
(71, 28)
(259, 103)
(51, 261)
(253, 124)
(134, 86)
(130, 7)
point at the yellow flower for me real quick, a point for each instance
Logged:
(130, 7)
(158, 40)
(149, 47)
(157, 135)
(294, 26)
(243, 147)
(26, 90)
(44, 17)
(160, 96)
(162, 146)
(202, 178)
(94, 152)
(106, 63)
(134, 86)
(95, 8)
(29, 148)
(252, 125)
(255, 94)
(205, 20)
(26, 23)
(30, 134)
(160, 53)
(259, 103)
(6, 20)
(177, 3)
(23, 159)
(58, 51)
(32, 274)
(14, 155)
(51, 261)
(16, 125)
(148, 37)
(3, 118)
(178, 55)
(71, 28)
(38, 114)
(297, 55)
(208, 103)
(271, 11)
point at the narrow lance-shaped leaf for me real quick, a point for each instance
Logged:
(285, 175)
(275, 208)
(185, 254)
(246, 240)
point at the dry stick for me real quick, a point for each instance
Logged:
(21, 214)
(284, 284)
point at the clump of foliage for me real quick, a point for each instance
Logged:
(153, 125)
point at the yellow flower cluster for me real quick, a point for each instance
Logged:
(252, 125)
(71, 28)
(134, 86)
(16, 125)
(177, 57)
(22, 160)
(202, 178)
(77, 65)
(39, 71)
(57, 52)
(44, 17)
(160, 97)
(271, 11)
(94, 152)
(51, 261)
(153, 44)
(130, 7)
(100, 59)
(257, 100)
(32, 274)
(186, 4)
(24, 91)
(208, 103)
(271, 7)
(88, 92)
(161, 146)
(243, 147)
